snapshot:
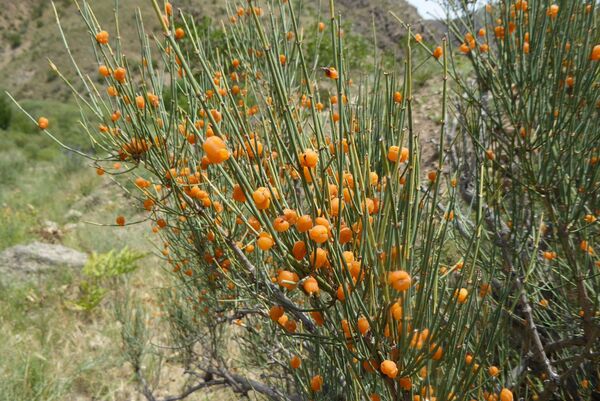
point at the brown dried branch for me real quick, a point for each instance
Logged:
(279, 296)
(243, 385)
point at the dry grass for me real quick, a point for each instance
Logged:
(52, 352)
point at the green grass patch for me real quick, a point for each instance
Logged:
(39, 180)
(39, 332)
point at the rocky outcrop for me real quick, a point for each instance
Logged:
(22, 261)
(366, 14)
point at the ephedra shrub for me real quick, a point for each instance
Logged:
(313, 255)
(530, 120)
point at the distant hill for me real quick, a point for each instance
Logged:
(29, 34)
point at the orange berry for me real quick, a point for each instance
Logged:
(318, 258)
(290, 216)
(112, 91)
(254, 223)
(304, 223)
(595, 55)
(216, 115)
(499, 32)
(143, 183)
(331, 73)
(276, 312)
(586, 247)
(148, 204)
(265, 242)
(43, 122)
(238, 194)
(295, 362)
(311, 286)
(548, 255)
(120, 74)
(438, 52)
(484, 290)
(363, 325)
(506, 395)
(389, 368)
(341, 294)
(262, 198)
(179, 33)
(405, 383)
(316, 383)
(335, 206)
(280, 224)
(309, 158)
(438, 352)
(290, 325)
(319, 233)
(346, 328)
(120, 220)
(461, 295)
(493, 371)
(399, 280)
(395, 154)
(397, 97)
(287, 279)
(299, 250)
(102, 37)
(215, 149)
(317, 317)
(570, 81)
(104, 71)
(140, 102)
(345, 235)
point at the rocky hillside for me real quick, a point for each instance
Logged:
(369, 15)
(30, 37)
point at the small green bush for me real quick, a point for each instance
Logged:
(14, 38)
(5, 111)
(102, 273)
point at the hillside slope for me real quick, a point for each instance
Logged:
(30, 35)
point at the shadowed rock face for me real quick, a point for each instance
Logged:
(369, 15)
(21, 261)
